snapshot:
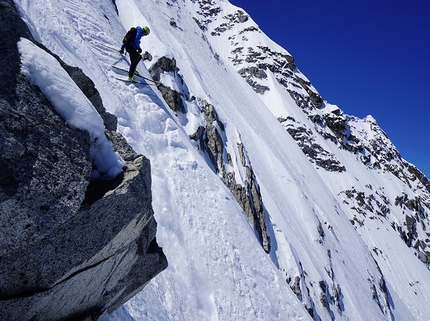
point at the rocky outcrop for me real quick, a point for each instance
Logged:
(172, 97)
(208, 10)
(306, 140)
(247, 193)
(70, 248)
(210, 141)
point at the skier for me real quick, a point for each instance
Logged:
(131, 43)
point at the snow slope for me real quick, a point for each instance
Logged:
(320, 265)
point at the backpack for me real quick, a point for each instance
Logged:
(129, 37)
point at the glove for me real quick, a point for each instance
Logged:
(147, 56)
(139, 50)
(121, 51)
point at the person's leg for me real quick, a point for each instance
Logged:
(134, 60)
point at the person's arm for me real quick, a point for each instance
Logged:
(136, 43)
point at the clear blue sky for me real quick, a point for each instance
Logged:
(367, 57)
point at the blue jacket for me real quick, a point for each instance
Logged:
(136, 42)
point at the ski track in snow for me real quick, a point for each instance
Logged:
(217, 268)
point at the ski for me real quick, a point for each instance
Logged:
(136, 82)
(124, 70)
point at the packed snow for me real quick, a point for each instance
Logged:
(217, 267)
(45, 71)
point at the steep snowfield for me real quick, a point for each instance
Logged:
(217, 267)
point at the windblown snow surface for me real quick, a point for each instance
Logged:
(217, 267)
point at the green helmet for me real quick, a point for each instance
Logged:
(146, 29)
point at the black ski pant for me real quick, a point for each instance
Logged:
(135, 57)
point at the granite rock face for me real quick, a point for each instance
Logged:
(70, 247)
